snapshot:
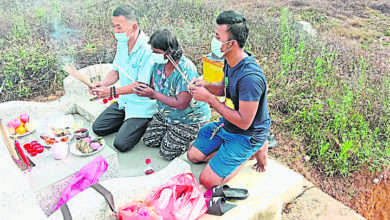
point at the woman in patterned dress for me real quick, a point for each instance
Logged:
(179, 117)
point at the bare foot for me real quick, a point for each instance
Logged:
(261, 158)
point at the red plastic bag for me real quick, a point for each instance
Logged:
(180, 198)
(138, 210)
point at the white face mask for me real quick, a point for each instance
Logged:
(216, 47)
(159, 58)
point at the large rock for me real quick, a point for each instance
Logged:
(307, 28)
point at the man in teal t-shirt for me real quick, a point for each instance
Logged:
(132, 66)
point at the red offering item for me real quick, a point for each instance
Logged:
(24, 117)
(109, 98)
(21, 153)
(105, 101)
(49, 140)
(33, 148)
(148, 170)
(27, 146)
(39, 149)
(117, 96)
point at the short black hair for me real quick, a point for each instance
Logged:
(237, 26)
(127, 11)
(165, 40)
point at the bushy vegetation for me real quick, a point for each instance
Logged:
(332, 97)
(335, 99)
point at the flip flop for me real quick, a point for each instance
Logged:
(229, 193)
(219, 206)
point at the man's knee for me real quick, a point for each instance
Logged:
(99, 130)
(209, 178)
(123, 145)
(193, 155)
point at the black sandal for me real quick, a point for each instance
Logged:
(219, 206)
(229, 193)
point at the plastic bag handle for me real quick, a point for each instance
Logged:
(106, 194)
(102, 191)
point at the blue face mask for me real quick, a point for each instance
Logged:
(121, 37)
(216, 47)
(159, 58)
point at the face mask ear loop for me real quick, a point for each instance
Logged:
(169, 53)
(128, 31)
(229, 49)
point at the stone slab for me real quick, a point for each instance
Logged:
(315, 204)
(267, 192)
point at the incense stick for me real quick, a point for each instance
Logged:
(124, 72)
(178, 69)
(101, 71)
(95, 74)
(89, 75)
(71, 70)
(182, 74)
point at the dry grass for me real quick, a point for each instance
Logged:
(355, 22)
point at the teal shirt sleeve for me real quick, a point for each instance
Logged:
(190, 71)
(116, 61)
(146, 70)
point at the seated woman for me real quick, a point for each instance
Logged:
(179, 117)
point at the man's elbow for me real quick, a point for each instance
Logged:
(182, 107)
(244, 126)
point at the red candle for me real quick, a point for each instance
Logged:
(21, 153)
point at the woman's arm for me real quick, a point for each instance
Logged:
(181, 101)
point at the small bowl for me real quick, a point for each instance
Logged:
(64, 139)
(81, 133)
(59, 150)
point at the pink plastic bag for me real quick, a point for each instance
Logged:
(138, 210)
(179, 199)
(86, 177)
